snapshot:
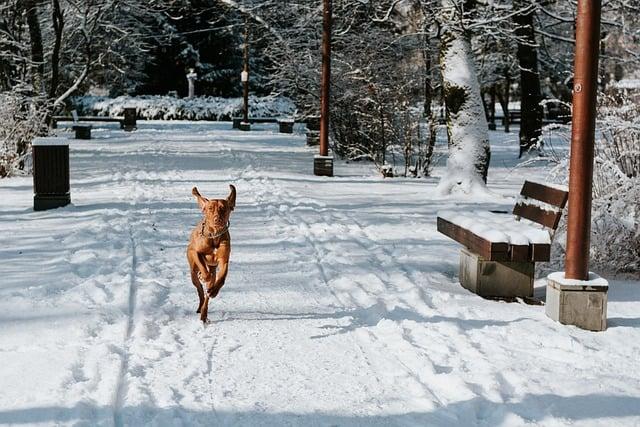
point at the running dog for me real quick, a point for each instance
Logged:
(209, 248)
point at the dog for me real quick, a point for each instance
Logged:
(209, 248)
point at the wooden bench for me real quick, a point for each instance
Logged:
(502, 248)
(238, 120)
(96, 119)
(127, 122)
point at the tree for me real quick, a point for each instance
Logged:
(469, 151)
(530, 94)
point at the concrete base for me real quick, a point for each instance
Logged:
(82, 131)
(44, 202)
(245, 126)
(313, 138)
(323, 165)
(495, 278)
(582, 303)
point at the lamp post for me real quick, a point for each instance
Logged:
(244, 77)
(575, 296)
(323, 163)
(191, 78)
(582, 139)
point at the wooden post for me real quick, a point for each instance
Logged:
(582, 139)
(323, 163)
(326, 78)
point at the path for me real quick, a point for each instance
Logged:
(341, 306)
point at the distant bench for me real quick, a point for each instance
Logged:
(502, 248)
(285, 125)
(128, 122)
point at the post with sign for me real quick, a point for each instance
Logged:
(576, 296)
(244, 77)
(323, 162)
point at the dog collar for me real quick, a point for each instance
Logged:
(216, 235)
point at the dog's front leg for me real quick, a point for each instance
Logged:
(221, 276)
(204, 310)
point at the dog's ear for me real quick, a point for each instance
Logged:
(231, 200)
(202, 202)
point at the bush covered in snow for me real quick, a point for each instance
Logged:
(171, 108)
(615, 236)
(21, 120)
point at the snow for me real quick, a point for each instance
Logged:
(498, 228)
(196, 108)
(593, 280)
(49, 141)
(342, 305)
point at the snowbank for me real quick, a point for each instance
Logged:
(171, 108)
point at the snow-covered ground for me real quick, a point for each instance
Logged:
(342, 305)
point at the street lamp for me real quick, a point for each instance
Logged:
(323, 162)
(244, 78)
(576, 296)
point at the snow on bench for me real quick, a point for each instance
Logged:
(498, 227)
(524, 236)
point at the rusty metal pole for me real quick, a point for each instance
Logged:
(325, 83)
(582, 138)
(245, 83)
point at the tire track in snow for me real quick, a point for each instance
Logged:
(121, 387)
(292, 219)
(367, 245)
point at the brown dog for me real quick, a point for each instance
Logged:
(209, 247)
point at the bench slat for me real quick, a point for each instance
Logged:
(88, 119)
(490, 251)
(519, 253)
(540, 252)
(536, 214)
(550, 195)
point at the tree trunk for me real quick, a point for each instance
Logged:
(469, 151)
(37, 52)
(530, 96)
(58, 26)
(503, 99)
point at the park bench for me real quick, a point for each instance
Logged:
(127, 122)
(252, 120)
(284, 125)
(502, 248)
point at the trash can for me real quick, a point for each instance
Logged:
(313, 123)
(50, 173)
(82, 131)
(130, 116)
(286, 125)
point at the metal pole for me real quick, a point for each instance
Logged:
(582, 139)
(326, 79)
(245, 84)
